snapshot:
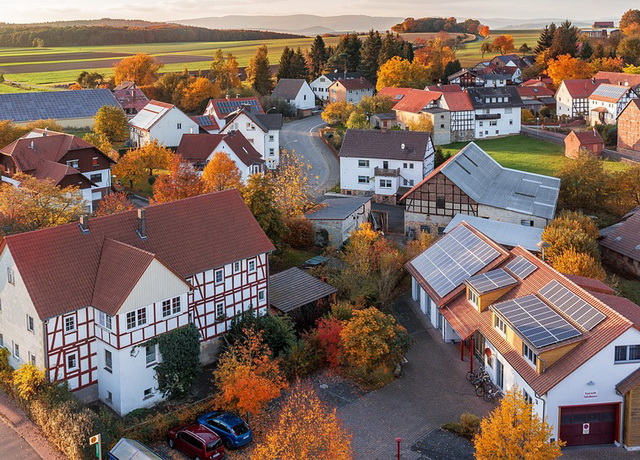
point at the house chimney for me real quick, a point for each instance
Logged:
(84, 223)
(237, 96)
(226, 96)
(142, 224)
(402, 146)
(32, 146)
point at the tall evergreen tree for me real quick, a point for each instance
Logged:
(407, 50)
(353, 46)
(259, 71)
(318, 56)
(451, 68)
(284, 67)
(298, 67)
(546, 38)
(369, 55)
(391, 47)
(565, 40)
(586, 51)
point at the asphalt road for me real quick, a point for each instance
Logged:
(13, 447)
(298, 136)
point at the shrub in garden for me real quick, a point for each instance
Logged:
(328, 334)
(300, 234)
(28, 381)
(277, 331)
(467, 427)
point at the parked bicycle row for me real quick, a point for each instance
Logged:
(484, 387)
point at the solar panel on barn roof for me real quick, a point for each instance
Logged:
(492, 280)
(521, 267)
(583, 314)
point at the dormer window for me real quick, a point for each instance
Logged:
(472, 297)
(529, 354)
(500, 325)
(73, 164)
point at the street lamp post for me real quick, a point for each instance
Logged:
(543, 245)
(398, 441)
(272, 108)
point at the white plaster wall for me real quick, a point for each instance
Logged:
(320, 87)
(16, 305)
(305, 99)
(166, 129)
(224, 147)
(564, 101)
(508, 123)
(349, 172)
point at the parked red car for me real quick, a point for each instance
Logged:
(197, 442)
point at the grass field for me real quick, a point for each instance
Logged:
(46, 67)
(471, 54)
(527, 154)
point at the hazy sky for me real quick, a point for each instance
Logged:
(167, 10)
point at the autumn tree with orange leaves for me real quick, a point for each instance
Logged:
(306, 428)
(181, 181)
(141, 69)
(503, 44)
(484, 31)
(566, 67)
(114, 203)
(198, 92)
(514, 430)
(247, 375)
(139, 164)
(221, 173)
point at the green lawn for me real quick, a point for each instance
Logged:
(471, 54)
(527, 154)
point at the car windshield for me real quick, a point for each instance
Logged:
(214, 445)
(240, 428)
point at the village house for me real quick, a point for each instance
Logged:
(621, 79)
(72, 109)
(535, 97)
(82, 300)
(220, 109)
(261, 130)
(577, 143)
(207, 124)
(320, 86)
(572, 97)
(62, 158)
(620, 244)
(337, 216)
(629, 128)
(468, 78)
(473, 183)
(600, 29)
(373, 162)
(130, 97)
(200, 148)
(497, 111)
(462, 114)
(350, 90)
(570, 344)
(606, 102)
(161, 122)
(297, 92)
(383, 120)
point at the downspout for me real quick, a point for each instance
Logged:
(544, 404)
(45, 348)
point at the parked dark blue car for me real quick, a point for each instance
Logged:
(231, 428)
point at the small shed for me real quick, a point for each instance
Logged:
(128, 449)
(578, 142)
(300, 295)
(338, 216)
(383, 120)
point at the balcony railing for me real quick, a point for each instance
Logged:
(384, 172)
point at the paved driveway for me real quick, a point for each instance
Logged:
(432, 391)
(301, 137)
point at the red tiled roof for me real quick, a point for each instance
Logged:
(223, 107)
(470, 319)
(457, 101)
(590, 284)
(352, 84)
(416, 100)
(243, 149)
(198, 147)
(588, 137)
(206, 122)
(58, 172)
(629, 383)
(60, 265)
(622, 305)
(131, 98)
(619, 78)
(582, 89)
(445, 88)
(625, 238)
(534, 91)
(543, 81)
(396, 94)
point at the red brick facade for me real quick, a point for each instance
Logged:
(629, 127)
(583, 142)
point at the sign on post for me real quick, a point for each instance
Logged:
(97, 440)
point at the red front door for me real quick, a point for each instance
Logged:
(592, 424)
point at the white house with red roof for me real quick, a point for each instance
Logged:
(261, 130)
(570, 344)
(572, 96)
(350, 90)
(62, 158)
(607, 101)
(161, 122)
(220, 109)
(200, 148)
(82, 300)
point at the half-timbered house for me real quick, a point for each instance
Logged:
(473, 183)
(82, 300)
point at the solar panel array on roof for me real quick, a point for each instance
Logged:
(612, 91)
(454, 258)
(60, 105)
(492, 280)
(536, 321)
(521, 267)
(583, 314)
(226, 107)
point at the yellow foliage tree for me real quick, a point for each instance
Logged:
(401, 73)
(139, 164)
(221, 173)
(417, 246)
(292, 186)
(305, 429)
(100, 141)
(111, 122)
(114, 203)
(198, 91)
(337, 112)
(503, 44)
(28, 380)
(247, 375)
(572, 262)
(357, 120)
(513, 431)
(181, 181)
(422, 124)
(566, 67)
(38, 204)
(141, 69)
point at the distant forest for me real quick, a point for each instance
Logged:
(20, 35)
(437, 24)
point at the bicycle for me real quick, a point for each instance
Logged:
(492, 392)
(471, 376)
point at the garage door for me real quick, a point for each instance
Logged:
(594, 424)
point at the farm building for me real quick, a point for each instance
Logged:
(339, 216)
(72, 109)
(578, 142)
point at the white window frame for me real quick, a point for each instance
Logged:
(166, 308)
(70, 324)
(151, 355)
(108, 366)
(32, 359)
(30, 323)
(261, 295)
(237, 266)
(67, 358)
(529, 354)
(11, 279)
(363, 164)
(220, 272)
(500, 325)
(220, 309)
(105, 320)
(147, 394)
(251, 265)
(15, 349)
